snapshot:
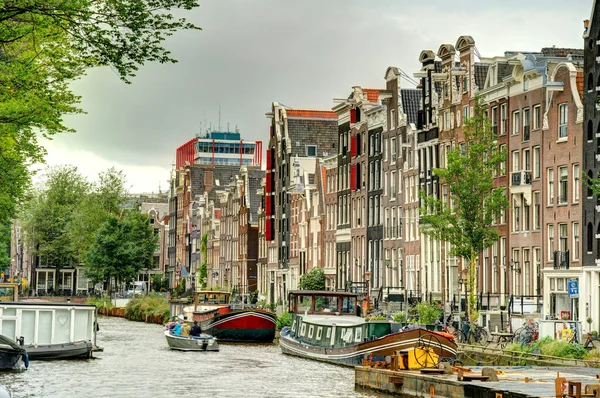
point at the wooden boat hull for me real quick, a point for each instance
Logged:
(378, 348)
(203, 342)
(77, 349)
(243, 326)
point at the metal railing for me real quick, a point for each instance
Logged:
(525, 305)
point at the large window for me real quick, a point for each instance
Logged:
(575, 241)
(550, 242)
(576, 174)
(537, 117)
(516, 126)
(536, 162)
(503, 118)
(536, 211)
(526, 127)
(563, 236)
(550, 187)
(562, 121)
(517, 214)
(563, 174)
(393, 185)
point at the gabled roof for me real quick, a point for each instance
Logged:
(372, 94)
(480, 74)
(311, 114)
(411, 102)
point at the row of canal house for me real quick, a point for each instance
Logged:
(341, 189)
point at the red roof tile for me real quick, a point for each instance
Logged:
(311, 114)
(372, 94)
(579, 81)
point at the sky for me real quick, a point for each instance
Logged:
(299, 53)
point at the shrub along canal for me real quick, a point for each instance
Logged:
(136, 363)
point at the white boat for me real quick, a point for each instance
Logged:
(204, 342)
(50, 330)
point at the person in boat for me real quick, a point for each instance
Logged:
(177, 328)
(185, 329)
(196, 330)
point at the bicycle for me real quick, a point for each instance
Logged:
(526, 334)
(589, 342)
(475, 335)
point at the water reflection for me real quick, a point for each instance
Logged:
(137, 363)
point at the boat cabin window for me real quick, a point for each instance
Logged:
(326, 304)
(348, 305)
(305, 303)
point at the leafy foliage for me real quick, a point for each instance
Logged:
(141, 308)
(46, 44)
(428, 313)
(313, 280)
(104, 302)
(121, 248)
(203, 272)
(49, 214)
(160, 283)
(400, 317)
(284, 320)
(466, 222)
(551, 347)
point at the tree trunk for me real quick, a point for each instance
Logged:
(472, 286)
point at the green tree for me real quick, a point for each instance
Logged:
(104, 199)
(203, 249)
(46, 44)
(49, 213)
(466, 222)
(121, 248)
(313, 280)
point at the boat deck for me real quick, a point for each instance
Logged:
(328, 319)
(522, 382)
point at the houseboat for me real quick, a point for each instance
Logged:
(218, 317)
(48, 330)
(325, 327)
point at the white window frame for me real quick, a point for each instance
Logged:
(563, 118)
(576, 179)
(550, 229)
(516, 123)
(537, 117)
(576, 241)
(550, 174)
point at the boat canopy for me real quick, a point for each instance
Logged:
(322, 302)
(211, 297)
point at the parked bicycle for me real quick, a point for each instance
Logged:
(475, 335)
(526, 334)
(591, 342)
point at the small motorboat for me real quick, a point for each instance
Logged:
(204, 342)
(12, 355)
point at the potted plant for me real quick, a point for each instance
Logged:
(594, 334)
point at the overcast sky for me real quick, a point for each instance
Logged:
(300, 53)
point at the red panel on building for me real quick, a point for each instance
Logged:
(353, 177)
(268, 188)
(185, 153)
(269, 166)
(353, 146)
(352, 115)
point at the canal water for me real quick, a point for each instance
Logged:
(136, 362)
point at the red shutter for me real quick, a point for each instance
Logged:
(353, 177)
(353, 145)
(352, 115)
(268, 231)
(269, 166)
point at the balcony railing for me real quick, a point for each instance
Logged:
(561, 259)
(521, 178)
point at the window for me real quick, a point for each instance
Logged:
(393, 150)
(465, 113)
(392, 119)
(562, 242)
(517, 214)
(516, 156)
(562, 121)
(311, 150)
(503, 163)
(516, 126)
(447, 121)
(495, 119)
(550, 242)
(465, 83)
(537, 117)
(576, 173)
(393, 185)
(526, 129)
(550, 187)
(575, 241)
(536, 211)
(562, 185)
(503, 117)
(526, 216)
(536, 162)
